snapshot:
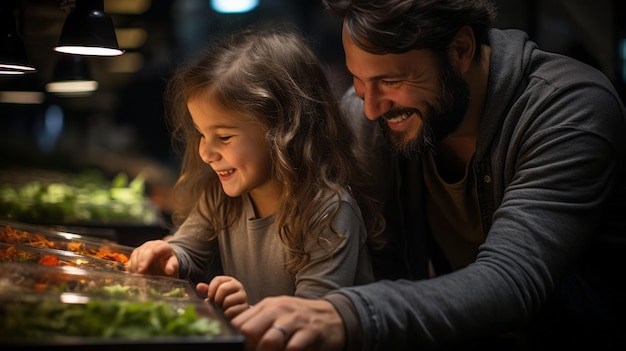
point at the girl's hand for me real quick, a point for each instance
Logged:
(154, 257)
(228, 293)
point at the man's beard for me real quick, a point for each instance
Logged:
(438, 119)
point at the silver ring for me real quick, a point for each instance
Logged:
(281, 330)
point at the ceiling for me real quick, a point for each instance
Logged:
(156, 35)
(165, 32)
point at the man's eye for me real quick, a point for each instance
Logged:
(390, 82)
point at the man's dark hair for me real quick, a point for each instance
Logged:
(398, 26)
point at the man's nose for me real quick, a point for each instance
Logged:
(375, 104)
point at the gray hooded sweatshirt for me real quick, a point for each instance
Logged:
(551, 184)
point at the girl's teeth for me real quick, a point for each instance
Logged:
(225, 173)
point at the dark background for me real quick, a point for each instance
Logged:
(120, 127)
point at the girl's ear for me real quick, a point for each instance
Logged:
(462, 48)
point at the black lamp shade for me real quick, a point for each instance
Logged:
(71, 76)
(89, 27)
(12, 50)
(71, 67)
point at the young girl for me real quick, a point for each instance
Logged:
(269, 185)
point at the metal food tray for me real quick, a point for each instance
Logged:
(31, 235)
(30, 277)
(51, 257)
(77, 317)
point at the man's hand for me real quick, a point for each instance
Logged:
(291, 323)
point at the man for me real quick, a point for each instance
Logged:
(507, 195)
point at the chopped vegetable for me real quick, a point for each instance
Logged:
(46, 319)
(49, 260)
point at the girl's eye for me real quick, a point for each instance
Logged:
(225, 138)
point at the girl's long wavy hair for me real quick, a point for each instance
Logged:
(273, 77)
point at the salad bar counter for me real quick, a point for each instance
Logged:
(67, 291)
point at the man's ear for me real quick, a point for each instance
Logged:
(462, 49)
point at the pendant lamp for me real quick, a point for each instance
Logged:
(72, 77)
(88, 30)
(13, 59)
(21, 90)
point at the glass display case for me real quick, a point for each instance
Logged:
(74, 308)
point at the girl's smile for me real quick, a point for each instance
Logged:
(225, 175)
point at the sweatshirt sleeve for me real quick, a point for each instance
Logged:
(351, 324)
(194, 247)
(336, 259)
